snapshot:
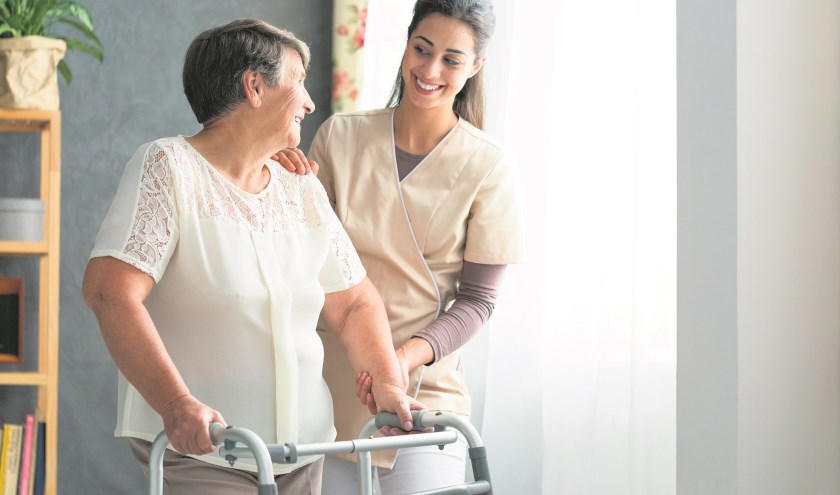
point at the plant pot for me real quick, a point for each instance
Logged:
(28, 72)
(21, 219)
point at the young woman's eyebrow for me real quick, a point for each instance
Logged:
(450, 50)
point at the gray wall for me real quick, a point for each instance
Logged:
(707, 316)
(111, 109)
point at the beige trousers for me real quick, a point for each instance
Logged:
(183, 475)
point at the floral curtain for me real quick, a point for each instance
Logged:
(349, 24)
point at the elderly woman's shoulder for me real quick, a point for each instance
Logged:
(172, 150)
(166, 145)
(295, 188)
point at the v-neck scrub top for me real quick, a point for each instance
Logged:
(240, 282)
(413, 236)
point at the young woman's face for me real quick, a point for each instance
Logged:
(438, 60)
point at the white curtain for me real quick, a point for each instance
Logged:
(575, 378)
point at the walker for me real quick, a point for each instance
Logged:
(266, 454)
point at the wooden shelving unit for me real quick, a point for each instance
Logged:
(48, 124)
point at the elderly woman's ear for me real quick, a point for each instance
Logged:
(253, 85)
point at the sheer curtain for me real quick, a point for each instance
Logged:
(575, 379)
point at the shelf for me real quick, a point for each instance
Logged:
(15, 120)
(23, 378)
(23, 248)
(48, 125)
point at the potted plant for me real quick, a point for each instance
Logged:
(31, 50)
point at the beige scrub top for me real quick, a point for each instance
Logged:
(460, 203)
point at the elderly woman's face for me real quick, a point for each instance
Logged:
(290, 101)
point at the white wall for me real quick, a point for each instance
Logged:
(788, 246)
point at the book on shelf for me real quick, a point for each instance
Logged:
(12, 444)
(36, 439)
(26, 455)
(38, 473)
(20, 448)
(2, 459)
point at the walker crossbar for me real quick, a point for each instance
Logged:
(288, 453)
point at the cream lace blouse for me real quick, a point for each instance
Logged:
(240, 282)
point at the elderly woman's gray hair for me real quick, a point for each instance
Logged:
(217, 58)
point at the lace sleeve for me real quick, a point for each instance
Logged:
(348, 260)
(343, 268)
(140, 227)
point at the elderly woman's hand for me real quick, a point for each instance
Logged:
(187, 424)
(293, 160)
(364, 383)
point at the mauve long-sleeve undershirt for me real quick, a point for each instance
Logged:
(473, 305)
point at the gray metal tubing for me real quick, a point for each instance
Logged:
(280, 453)
(453, 420)
(156, 464)
(365, 468)
(477, 487)
(218, 434)
(428, 419)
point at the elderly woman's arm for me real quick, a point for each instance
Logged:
(115, 291)
(358, 316)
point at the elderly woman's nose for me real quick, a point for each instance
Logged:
(309, 105)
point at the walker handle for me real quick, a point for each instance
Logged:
(439, 420)
(218, 434)
(391, 419)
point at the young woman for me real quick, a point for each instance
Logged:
(431, 204)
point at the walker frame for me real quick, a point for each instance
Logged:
(227, 439)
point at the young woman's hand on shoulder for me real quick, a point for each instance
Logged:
(294, 160)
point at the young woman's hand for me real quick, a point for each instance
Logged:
(364, 383)
(293, 160)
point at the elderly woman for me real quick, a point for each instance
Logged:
(212, 266)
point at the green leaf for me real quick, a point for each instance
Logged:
(65, 72)
(89, 34)
(81, 14)
(75, 44)
(38, 13)
(5, 28)
(63, 10)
